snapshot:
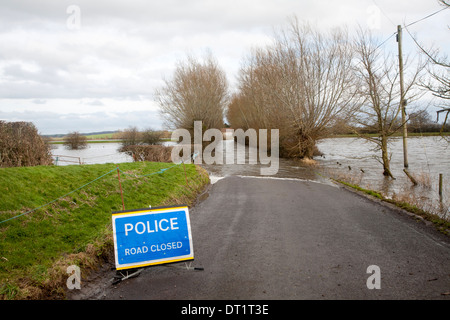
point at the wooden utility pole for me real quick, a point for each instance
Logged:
(402, 97)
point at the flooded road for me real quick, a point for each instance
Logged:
(355, 161)
(350, 159)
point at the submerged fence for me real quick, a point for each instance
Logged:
(68, 159)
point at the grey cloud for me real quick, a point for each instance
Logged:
(125, 48)
(95, 103)
(39, 101)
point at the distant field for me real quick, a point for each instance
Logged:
(100, 136)
(112, 137)
(92, 138)
(89, 136)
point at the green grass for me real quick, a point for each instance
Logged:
(100, 136)
(366, 191)
(90, 141)
(32, 244)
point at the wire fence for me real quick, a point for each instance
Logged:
(63, 196)
(117, 169)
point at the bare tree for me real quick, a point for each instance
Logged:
(438, 69)
(379, 87)
(198, 91)
(419, 121)
(299, 85)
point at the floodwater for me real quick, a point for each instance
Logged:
(356, 161)
(351, 159)
(427, 158)
(94, 153)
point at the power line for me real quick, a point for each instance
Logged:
(414, 39)
(386, 40)
(428, 16)
(410, 24)
(418, 45)
(384, 13)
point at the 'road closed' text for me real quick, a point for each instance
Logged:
(154, 248)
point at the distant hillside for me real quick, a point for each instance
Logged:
(84, 134)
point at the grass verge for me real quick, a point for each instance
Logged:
(441, 224)
(37, 248)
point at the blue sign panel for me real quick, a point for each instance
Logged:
(147, 237)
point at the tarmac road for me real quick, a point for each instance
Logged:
(260, 238)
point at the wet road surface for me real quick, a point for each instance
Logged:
(267, 238)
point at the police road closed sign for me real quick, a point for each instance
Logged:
(152, 236)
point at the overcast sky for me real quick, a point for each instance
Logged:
(94, 65)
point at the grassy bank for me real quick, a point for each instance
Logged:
(442, 225)
(36, 248)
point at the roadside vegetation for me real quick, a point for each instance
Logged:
(133, 136)
(302, 84)
(440, 223)
(36, 248)
(144, 145)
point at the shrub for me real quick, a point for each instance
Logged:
(75, 141)
(156, 153)
(151, 137)
(130, 137)
(22, 146)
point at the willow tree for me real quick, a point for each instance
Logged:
(300, 85)
(198, 91)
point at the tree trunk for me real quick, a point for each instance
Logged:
(385, 157)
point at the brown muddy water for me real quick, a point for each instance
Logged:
(350, 159)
